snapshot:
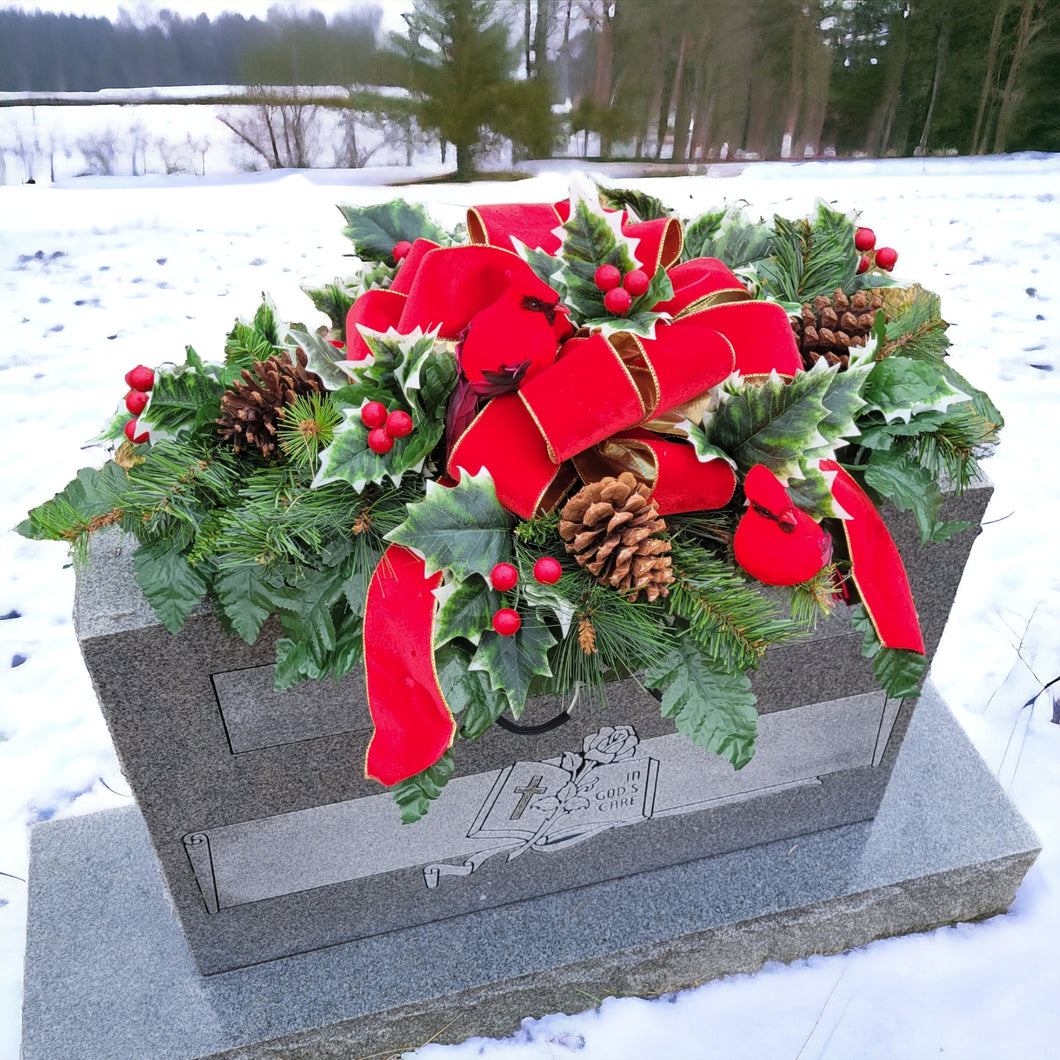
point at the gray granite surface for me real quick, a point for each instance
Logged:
(109, 976)
(266, 829)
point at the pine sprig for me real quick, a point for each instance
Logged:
(729, 618)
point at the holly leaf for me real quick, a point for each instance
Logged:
(899, 388)
(728, 236)
(348, 458)
(374, 230)
(699, 235)
(463, 530)
(326, 360)
(467, 612)
(592, 237)
(247, 343)
(842, 401)
(512, 662)
(246, 597)
(710, 705)
(415, 794)
(546, 266)
(349, 646)
(468, 692)
(773, 424)
(909, 486)
(173, 587)
(334, 302)
(812, 492)
(898, 671)
(642, 206)
(182, 399)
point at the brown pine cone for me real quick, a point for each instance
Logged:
(610, 526)
(251, 410)
(830, 326)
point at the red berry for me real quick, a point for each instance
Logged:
(503, 577)
(136, 401)
(636, 282)
(401, 249)
(886, 258)
(547, 570)
(864, 239)
(507, 622)
(140, 378)
(398, 424)
(864, 264)
(607, 277)
(618, 301)
(130, 433)
(379, 441)
(373, 414)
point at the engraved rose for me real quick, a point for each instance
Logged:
(610, 744)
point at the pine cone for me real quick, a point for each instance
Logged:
(252, 409)
(830, 326)
(610, 527)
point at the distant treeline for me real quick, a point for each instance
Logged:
(44, 52)
(687, 80)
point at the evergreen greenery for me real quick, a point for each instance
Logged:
(297, 537)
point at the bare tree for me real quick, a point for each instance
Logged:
(100, 151)
(283, 127)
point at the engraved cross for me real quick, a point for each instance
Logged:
(525, 795)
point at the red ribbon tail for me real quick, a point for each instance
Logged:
(413, 724)
(877, 567)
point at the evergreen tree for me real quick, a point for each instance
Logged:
(461, 66)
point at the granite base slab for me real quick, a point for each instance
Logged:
(109, 975)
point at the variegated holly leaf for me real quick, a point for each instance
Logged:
(710, 705)
(326, 360)
(843, 401)
(773, 423)
(900, 387)
(415, 794)
(897, 670)
(463, 529)
(547, 267)
(592, 237)
(811, 491)
(348, 458)
(513, 662)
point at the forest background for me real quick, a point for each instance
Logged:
(682, 81)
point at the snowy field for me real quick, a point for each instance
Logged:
(101, 274)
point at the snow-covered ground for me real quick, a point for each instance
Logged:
(102, 274)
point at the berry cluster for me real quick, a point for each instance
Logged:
(504, 577)
(620, 291)
(384, 427)
(884, 258)
(139, 380)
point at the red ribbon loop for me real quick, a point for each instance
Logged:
(877, 567)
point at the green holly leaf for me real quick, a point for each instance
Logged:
(374, 230)
(468, 692)
(464, 529)
(710, 705)
(247, 343)
(467, 612)
(173, 587)
(699, 235)
(812, 492)
(293, 665)
(898, 671)
(842, 401)
(909, 486)
(547, 267)
(246, 597)
(349, 646)
(334, 302)
(773, 424)
(415, 794)
(512, 662)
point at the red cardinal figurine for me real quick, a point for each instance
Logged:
(513, 338)
(776, 542)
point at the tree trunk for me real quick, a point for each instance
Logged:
(1010, 98)
(605, 50)
(544, 8)
(989, 90)
(526, 39)
(465, 162)
(940, 62)
(682, 104)
(879, 132)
